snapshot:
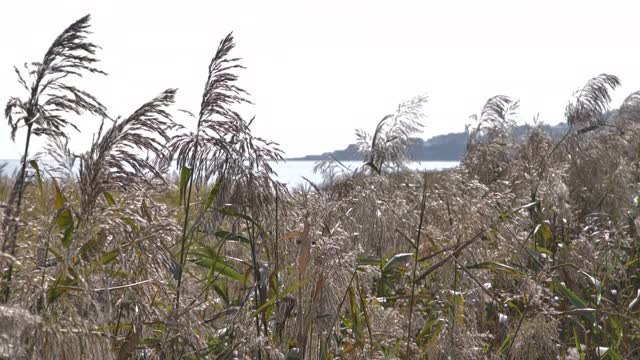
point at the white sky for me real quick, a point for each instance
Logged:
(318, 71)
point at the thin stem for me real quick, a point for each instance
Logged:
(44, 265)
(344, 297)
(276, 252)
(475, 279)
(363, 304)
(185, 224)
(454, 307)
(455, 281)
(415, 262)
(256, 275)
(11, 227)
(515, 334)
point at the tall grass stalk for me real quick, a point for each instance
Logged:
(215, 120)
(423, 205)
(10, 228)
(50, 98)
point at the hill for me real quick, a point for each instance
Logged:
(448, 147)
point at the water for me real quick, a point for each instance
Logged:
(292, 172)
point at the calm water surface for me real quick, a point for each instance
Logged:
(291, 172)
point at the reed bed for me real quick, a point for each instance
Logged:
(527, 250)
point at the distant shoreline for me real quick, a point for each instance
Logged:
(445, 148)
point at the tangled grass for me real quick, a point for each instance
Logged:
(528, 250)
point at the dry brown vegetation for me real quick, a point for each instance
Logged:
(528, 250)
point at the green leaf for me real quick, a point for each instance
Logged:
(544, 250)
(506, 343)
(512, 305)
(573, 298)
(577, 341)
(228, 236)
(34, 164)
(129, 221)
(545, 231)
(631, 262)
(363, 306)
(185, 176)
(346, 322)
(230, 212)
(365, 260)
(611, 354)
(212, 195)
(115, 273)
(109, 257)
(221, 289)
(616, 326)
(109, 198)
(65, 224)
(60, 200)
(114, 327)
(288, 291)
(56, 255)
(459, 308)
(396, 261)
(355, 314)
(145, 210)
(219, 265)
(175, 268)
(430, 331)
(209, 257)
(62, 284)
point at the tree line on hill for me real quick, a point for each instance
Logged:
(447, 147)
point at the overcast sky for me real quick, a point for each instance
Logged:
(318, 71)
